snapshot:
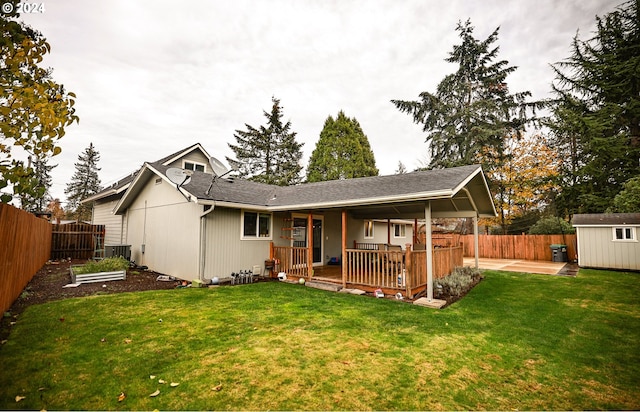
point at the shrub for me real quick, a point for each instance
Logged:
(457, 283)
(551, 226)
(111, 264)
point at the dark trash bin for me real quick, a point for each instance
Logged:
(559, 253)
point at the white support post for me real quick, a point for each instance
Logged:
(475, 238)
(428, 250)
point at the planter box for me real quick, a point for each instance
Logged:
(97, 277)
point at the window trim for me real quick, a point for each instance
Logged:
(403, 234)
(372, 225)
(194, 163)
(632, 230)
(257, 236)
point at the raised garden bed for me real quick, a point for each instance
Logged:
(103, 271)
(96, 277)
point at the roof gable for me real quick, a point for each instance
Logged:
(118, 188)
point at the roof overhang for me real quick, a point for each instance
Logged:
(468, 199)
(136, 186)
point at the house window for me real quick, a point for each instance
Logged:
(399, 230)
(256, 225)
(624, 233)
(196, 167)
(368, 229)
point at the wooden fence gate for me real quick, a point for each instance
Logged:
(76, 240)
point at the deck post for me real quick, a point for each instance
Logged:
(343, 259)
(475, 238)
(310, 245)
(388, 231)
(408, 268)
(428, 250)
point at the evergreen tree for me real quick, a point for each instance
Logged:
(628, 200)
(269, 154)
(472, 108)
(84, 183)
(37, 199)
(596, 116)
(342, 152)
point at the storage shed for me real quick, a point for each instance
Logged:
(608, 241)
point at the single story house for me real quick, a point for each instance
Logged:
(211, 226)
(608, 241)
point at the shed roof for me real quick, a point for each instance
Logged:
(606, 219)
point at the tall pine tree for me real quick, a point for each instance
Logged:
(472, 108)
(269, 154)
(342, 152)
(36, 200)
(596, 116)
(84, 183)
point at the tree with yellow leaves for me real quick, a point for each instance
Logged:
(522, 177)
(34, 110)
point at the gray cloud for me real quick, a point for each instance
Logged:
(154, 76)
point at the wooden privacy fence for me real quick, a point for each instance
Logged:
(25, 246)
(76, 240)
(528, 247)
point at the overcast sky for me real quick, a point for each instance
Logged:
(155, 76)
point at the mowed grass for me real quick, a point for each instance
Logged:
(517, 341)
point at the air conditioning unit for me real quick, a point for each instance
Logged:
(118, 250)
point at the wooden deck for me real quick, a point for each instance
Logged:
(392, 269)
(331, 273)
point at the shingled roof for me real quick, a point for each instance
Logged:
(606, 219)
(456, 189)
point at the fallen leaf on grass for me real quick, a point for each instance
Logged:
(156, 393)
(19, 398)
(174, 384)
(121, 397)
(152, 376)
(162, 381)
(217, 388)
(128, 340)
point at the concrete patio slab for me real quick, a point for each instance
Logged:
(516, 265)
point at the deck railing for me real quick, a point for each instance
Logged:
(387, 269)
(291, 260)
(375, 268)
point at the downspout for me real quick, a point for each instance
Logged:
(203, 241)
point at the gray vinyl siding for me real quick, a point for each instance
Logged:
(225, 251)
(597, 249)
(162, 220)
(114, 224)
(380, 235)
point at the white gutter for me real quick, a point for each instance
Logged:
(441, 194)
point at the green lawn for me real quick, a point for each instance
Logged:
(516, 341)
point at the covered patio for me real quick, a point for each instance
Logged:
(422, 196)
